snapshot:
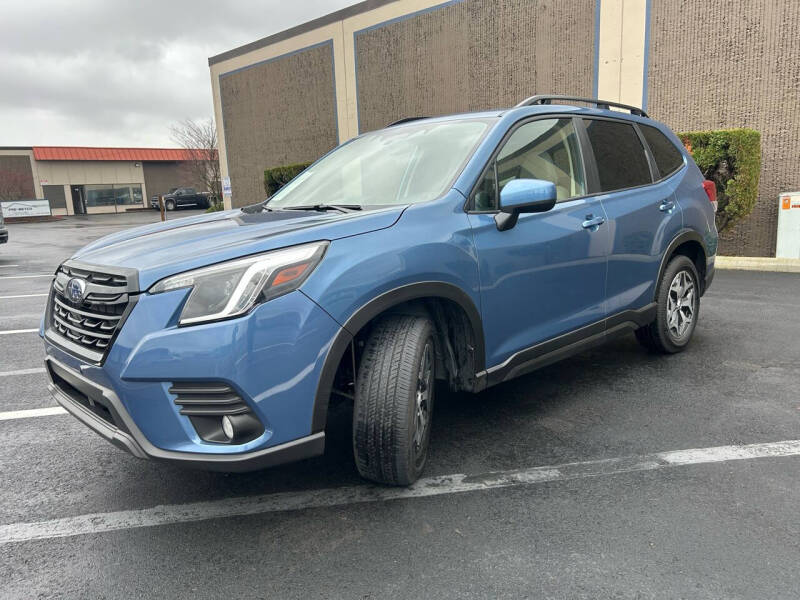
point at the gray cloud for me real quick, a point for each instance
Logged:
(100, 73)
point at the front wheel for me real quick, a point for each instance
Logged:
(678, 306)
(394, 400)
(170, 204)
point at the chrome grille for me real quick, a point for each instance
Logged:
(87, 328)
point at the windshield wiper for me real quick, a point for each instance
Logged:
(344, 208)
(255, 208)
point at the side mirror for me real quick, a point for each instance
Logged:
(524, 196)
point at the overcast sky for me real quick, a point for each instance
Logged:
(117, 72)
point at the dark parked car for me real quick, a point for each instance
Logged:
(3, 230)
(183, 196)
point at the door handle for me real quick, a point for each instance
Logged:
(592, 223)
(666, 206)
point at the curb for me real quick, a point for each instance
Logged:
(42, 219)
(758, 263)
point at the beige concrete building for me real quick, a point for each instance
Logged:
(78, 180)
(293, 96)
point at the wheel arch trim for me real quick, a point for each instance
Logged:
(377, 305)
(686, 235)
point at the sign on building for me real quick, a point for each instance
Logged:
(25, 208)
(788, 226)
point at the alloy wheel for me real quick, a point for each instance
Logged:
(422, 398)
(681, 305)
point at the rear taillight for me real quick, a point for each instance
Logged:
(711, 192)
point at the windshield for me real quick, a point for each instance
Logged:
(399, 165)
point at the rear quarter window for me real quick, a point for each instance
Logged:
(668, 158)
(619, 154)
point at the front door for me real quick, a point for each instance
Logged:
(78, 201)
(545, 276)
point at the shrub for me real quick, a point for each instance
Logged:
(277, 177)
(731, 158)
(215, 206)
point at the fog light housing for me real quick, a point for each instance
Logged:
(217, 412)
(227, 427)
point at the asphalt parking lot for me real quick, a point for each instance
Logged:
(614, 474)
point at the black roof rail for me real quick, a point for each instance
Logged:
(405, 120)
(604, 104)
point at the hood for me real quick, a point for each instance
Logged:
(163, 249)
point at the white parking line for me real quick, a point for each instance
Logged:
(432, 486)
(7, 266)
(10, 331)
(11, 415)
(22, 372)
(25, 276)
(22, 296)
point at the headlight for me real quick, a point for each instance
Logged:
(232, 288)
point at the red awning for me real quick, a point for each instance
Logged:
(130, 154)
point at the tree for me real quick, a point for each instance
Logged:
(199, 139)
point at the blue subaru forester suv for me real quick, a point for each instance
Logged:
(466, 249)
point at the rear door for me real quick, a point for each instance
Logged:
(545, 276)
(643, 214)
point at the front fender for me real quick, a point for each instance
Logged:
(428, 253)
(431, 242)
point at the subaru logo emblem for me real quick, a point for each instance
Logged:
(75, 290)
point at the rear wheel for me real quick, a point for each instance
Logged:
(394, 400)
(678, 306)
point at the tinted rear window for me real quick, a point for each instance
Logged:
(668, 157)
(620, 157)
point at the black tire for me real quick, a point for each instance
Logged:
(661, 335)
(170, 204)
(386, 444)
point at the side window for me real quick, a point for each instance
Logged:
(485, 197)
(620, 157)
(668, 157)
(545, 149)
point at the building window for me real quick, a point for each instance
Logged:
(119, 194)
(99, 195)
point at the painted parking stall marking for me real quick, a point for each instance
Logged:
(50, 411)
(12, 331)
(95, 523)
(18, 372)
(23, 296)
(29, 276)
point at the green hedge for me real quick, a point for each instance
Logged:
(731, 158)
(277, 177)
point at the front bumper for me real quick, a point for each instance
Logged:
(272, 357)
(87, 401)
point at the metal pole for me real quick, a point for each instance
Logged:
(162, 207)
